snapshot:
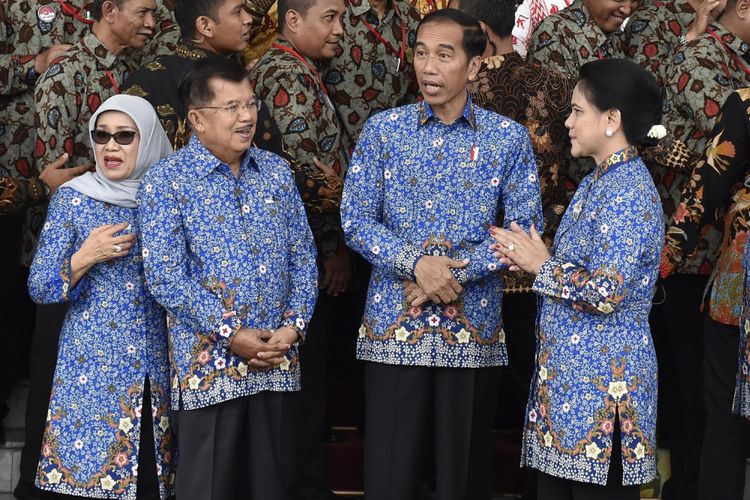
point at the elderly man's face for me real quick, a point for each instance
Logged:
(226, 125)
(134, 23)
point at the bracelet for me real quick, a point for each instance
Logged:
(683, 39)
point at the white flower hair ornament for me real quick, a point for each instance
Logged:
(657, 132)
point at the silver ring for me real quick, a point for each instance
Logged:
(511, 247)
(118, 249)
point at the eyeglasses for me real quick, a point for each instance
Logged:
(123, 137)
(234, 109)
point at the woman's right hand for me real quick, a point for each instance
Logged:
(102, 245)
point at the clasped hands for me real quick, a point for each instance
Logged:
(263, 349)
(435, 281)
(519, 250)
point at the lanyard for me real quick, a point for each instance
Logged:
(730, 52)
(303, 61)
(69, 10)
(599, 54)
(401, 54)
(108, 72)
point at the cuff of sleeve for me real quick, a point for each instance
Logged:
(461, 274)
(406, 261)
(228, 327)
(297, 323)
(545, 280)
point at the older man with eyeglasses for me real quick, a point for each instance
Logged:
(228, 252)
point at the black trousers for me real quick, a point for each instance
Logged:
(555, 488)
(725, 443)
(519, 323)
(405, 406)
(238, 449)
(677, 328)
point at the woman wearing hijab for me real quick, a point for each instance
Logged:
(108, 431)
(591, 417)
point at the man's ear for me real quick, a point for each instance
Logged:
(293, 20)
(474, 64)
(109, 9)
(197, 123)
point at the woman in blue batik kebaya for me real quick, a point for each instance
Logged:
(591, 415)
(108, 431)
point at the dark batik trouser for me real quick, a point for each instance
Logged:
(238, 449)
(410, 410)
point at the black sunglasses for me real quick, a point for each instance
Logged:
(123, 137)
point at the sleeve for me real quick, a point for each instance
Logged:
(17, 73)
(546, 48)
(55, 114)
(300, 143)
(49, 277)
(17, 194)
(362, 212)
(521, 203)
(709, 188)
(697, 88)
(601, 285)
(303, 271)
(207, 306)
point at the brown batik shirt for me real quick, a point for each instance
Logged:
(294, 94)
(538, 99)
(372, 72)
(569, 39)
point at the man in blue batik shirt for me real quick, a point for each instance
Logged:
(425, 184)
(228, 252)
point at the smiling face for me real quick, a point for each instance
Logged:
(226, 125)
(442, 65)
(318, 32)
(117, 161)
(610, 14)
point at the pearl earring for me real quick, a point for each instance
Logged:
(609, 133)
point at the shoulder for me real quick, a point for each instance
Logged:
(271, 162)
(493, 124)
(394, 119)
(173, 166)
(275, 64)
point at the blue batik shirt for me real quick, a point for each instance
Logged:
(222, 253)
(417, 186)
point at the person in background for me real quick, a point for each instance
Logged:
(718, 185)
(529, 14)
(108, 431)
(591, 417)
(426, 183)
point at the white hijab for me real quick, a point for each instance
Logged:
(154, 145)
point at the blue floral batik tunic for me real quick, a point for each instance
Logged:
(595, 358)
(113, 337)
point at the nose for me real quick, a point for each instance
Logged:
(149, 20)
(247, 18)
(429, 66)
(112, 144)
(338, 27)
(569, 121)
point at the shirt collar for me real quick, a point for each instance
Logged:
(426, 114)
(99, 51)
(206, 162)
(189, 51)
(732, 41)
(616, 159)
(287, 44)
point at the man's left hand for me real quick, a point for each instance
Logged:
(336, 273)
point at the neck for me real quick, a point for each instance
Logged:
(204, 45)
(731, 22)
(233, 160)
(292, 39)
(617, 144)
(104, 34)
(379, 6)
(504, 45)
(450, 111)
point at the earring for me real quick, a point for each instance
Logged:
(609, 133)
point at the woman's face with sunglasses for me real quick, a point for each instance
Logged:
(115, 140)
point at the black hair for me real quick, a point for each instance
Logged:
(187, 11)
(624, 85)
(301, 6)
(195, 87)
(499, 15)
(474, 39)
(95, 8)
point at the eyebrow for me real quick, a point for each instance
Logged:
(332, 10)
(440, 45)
